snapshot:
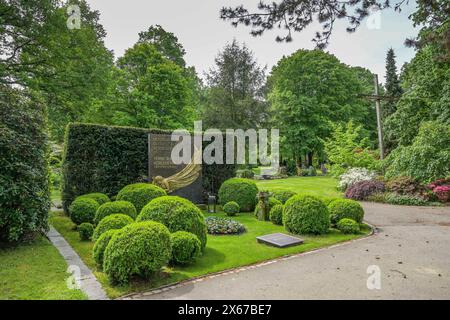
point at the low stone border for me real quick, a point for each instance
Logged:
(88, 282)
(132, 296)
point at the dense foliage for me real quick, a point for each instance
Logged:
(123, 207)
(231, 208)
(139, 194)
(83, 210)
(345, 208)
(186, 247)
(347, 149)
(283, 195)
(404, 185)
(217, 225)
(85, 230)
(24, 183)
(305, 214)
(137, 249)
(348, 226)
(427, 158)
(276, 214)
(177, 214)
(113, 221)
(242, 191)
(364, 189)
(404, 199)
(100, 198)
(267, 205)
(101, 244)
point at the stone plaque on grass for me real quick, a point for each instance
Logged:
(279, 240)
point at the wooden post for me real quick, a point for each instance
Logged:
(379, 122)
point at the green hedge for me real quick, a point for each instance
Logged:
(104, 159)
(24, 178)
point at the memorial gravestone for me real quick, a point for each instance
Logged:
(184, 180)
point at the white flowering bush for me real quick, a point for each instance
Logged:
(354, 175)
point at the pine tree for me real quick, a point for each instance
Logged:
(392, 85)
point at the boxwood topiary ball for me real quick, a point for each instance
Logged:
(186, 247)
(177, 214)
(345, 208)
(83, 210)
(283, 195)
(85, 231)
(348, 226)
(276, 214)
(306, 214)
(100, 245)
(101, 198)
(137, 249)
(139, 194)
(114, 221)
(231, 208)
(109, 208)
(242, 191)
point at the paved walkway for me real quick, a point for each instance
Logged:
(87, 281)
(412, 251)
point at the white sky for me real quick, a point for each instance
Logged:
(199, 29)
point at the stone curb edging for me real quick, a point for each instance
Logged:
(374, 231)
(88, 282)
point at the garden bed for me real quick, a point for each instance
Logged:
(222, 252)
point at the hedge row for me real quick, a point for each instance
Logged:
(104, 159)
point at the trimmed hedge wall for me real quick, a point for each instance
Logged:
(99, 158)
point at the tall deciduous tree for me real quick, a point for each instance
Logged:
(310, 89)
(234, 95)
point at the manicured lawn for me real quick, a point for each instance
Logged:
(323, 186)
(34, 270)
(222, 252)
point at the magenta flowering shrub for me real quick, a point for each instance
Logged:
(363, 189)
(441, 189)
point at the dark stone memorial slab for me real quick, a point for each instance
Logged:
(160, 164)
(279, 240)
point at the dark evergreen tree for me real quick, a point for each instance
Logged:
(392, 85)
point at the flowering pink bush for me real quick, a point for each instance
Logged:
(441, 189)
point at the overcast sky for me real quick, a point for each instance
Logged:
(198, 27)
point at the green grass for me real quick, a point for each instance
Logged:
(222, 252)
(34, 271)
(323, 186)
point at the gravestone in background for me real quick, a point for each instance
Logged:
(160, 164)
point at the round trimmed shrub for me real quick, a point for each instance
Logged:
(243, 191)
(83, 210)
(137, 249)
(85, 230)
(101, 198)
(276, 214)
(177, 214)
(231, 208)
(348, 226)
(283, 195)
(114, 221)
(328, 200)
(109, 208)
(186, 247)
(306, 214)
(100, 245)
(139, 194)
(272, 202)
(345, 208)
